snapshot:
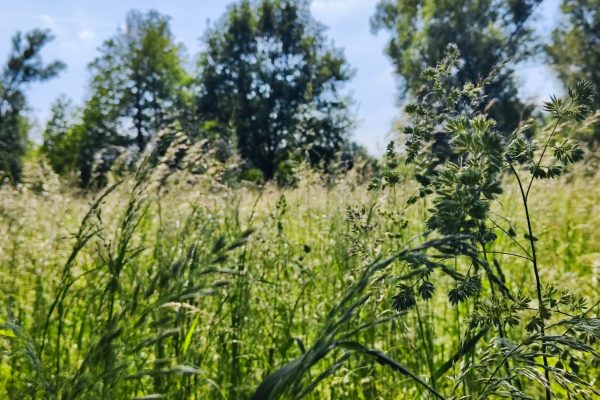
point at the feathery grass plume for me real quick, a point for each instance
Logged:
(463, 186)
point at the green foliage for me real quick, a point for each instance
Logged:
(274, 84)
(499, 312)
(285, 174)
(293, 379)
(405, 298)
(487, 33)
(300, 305)
(575, 52)
(136, 90)
(171, 284)
(469, 287)
(24, 66)
(574, 109)
(253, 175)
(62, 139)
(463, 185)
(461, 188)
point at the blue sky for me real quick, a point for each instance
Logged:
(81, 26)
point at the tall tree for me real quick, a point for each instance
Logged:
(575, 50)
(135, 89)
(61, 138)
(271, 82)
(24, 66)
(487, 33)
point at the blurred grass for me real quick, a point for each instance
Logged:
(205, 309)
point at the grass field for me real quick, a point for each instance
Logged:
(193, 289)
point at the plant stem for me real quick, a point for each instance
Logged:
(426, 343)
(538, 282)
(537, 165)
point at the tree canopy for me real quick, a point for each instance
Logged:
(575, 50)
(487, 34)
(272, 84)
(60, 137)
(135, 90)
(24, 66)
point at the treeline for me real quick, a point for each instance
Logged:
(269, 85)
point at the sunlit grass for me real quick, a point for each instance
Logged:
(218, 287)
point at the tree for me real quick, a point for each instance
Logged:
(136, 88)
(272, 84)
(575, 50)
(24, 66)
(487, 33)
(61, 137)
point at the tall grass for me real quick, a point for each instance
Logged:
(187, 290)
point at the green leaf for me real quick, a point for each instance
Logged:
(188, 336)
(426, 290)
(547, 172)
(467, 288)
(405, 298)
(7, 333)
(568, 153)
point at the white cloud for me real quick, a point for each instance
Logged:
(86, 35)
(47, 19)
(50, 22)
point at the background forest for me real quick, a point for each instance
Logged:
(205, 226)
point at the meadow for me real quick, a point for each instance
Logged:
(179, 286)
(212, 226)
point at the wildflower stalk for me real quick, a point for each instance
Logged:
(538, 282)
(534, 261)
